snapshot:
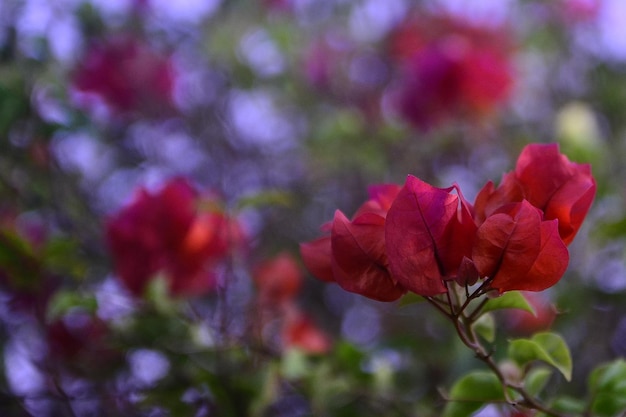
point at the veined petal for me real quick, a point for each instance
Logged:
(564, 190)
(507, 244)
(570, 205)
(415, 232)
(358, 257)
(317, 256)
(550, 264)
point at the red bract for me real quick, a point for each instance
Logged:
(354, 254)
(83, 343)
(317, 256)
(421, 236)
(128, 75)
(278, 279)
(544, 177)
(448, 68)
(164, 233)
(429, 235)
(517, 250)
(300, 332)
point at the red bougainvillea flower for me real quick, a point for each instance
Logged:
(448, 67)
(354, 254)
(429, 236)
(128, 75)
(165, 233)
(418, 237)
(300, 332)
(83, 343)
(546, 178)
(278, 279)
(518, 250)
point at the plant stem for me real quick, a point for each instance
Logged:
(463, 326)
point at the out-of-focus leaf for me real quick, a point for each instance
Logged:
(547, 347)
(13, 105)
(612, 230)
(485, 326)
(59, 256)
(158, 293)
(294, 364)
(566, 405)
(266, 198)
(536, 380)
(607, 385)
(64, 301)
(349, 356)
(270, 389)
(510, 299)
(410, 298)
(471, 392)
(18, 261)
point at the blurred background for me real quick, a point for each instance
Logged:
(280, 112)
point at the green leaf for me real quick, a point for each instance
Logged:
(511, 299)
(566, 405)
(64, 301)
(547, 347)
(410, 298)
(295, 364)
(471, 392)
(536, 380)
(59, 256)
(485, 326)
(607, 385)
(266, 198)
(158, 293)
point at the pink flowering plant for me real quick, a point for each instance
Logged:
(289, 208)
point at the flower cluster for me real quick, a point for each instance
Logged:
(278, 281)
(173, 232)
(419, 237)
(127, 75)
(448, 67)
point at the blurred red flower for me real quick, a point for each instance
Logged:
(354, 254)
(448, 67)
(128, 75)
(165, 233)
(278, 279)
(300, 332)
(82, 343)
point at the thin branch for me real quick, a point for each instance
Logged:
(463, 326)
